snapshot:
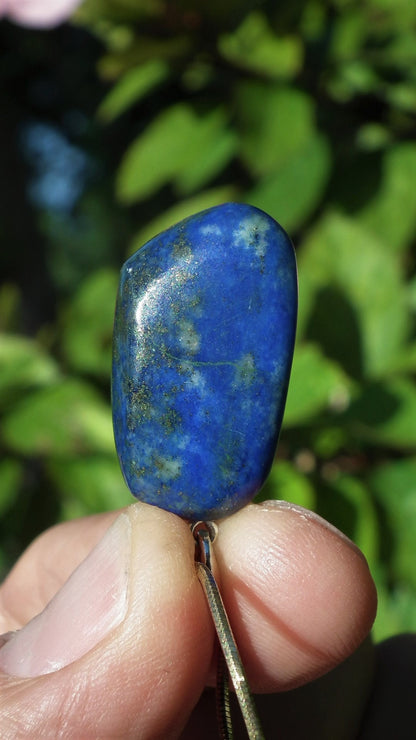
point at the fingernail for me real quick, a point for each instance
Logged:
(312, 516)
(88, 607)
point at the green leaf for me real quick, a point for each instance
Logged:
(341, 261)
(211, 146)
(385, 414)
(316, 384)
(255, 47)
(133, 86)
(11, 475)
(275, 122)
(373, 136)
(128, 50)
(329, 440)
(391, 214)
(285, 482)
(396, 611)
(293, 191)
(177, 146)
(348, 34)
(10, 299)
(63, 419)
(23, 366)
(358, 77)
(394, 485)
(403, 96)
(365, 530)
(156, 156)
(180, 210)
(400, 51)
(88, 324)
(405, 361)
(89, 485)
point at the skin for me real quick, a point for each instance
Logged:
(298, 593)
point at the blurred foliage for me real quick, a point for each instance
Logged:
(305, 109)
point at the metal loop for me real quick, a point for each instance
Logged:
(204, 533)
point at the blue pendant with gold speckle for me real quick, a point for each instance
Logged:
(203, 342)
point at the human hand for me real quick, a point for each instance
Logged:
(124, 649)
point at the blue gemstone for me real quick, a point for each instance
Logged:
(203, 342)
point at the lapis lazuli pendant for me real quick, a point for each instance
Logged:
(203, 342)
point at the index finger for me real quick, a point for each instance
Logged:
(298, 592)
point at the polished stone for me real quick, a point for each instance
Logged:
(203, 343)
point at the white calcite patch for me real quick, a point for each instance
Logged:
(210, 230)
(146, 454)
(197, 381)
(251, 234)
(188, 336)
(250, 405)
(245, 371)
(182, 441)
(167, 468)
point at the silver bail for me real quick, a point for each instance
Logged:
(229, 661)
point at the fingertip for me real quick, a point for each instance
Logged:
(299, 593)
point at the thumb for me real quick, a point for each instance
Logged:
(113, 654)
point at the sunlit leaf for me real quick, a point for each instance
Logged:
(292, 192)
(285, 482)
(394, 485)
(340, 260)
(275, 122)
(316, 384)
(373, 136)
(95, 483)
(403, 96)
(23, 365)
(177, 146)
(365, 531)
(391, 213)
(211, 146)
(255, 47)
(348, 35)
(396, 610)
(142, 50)
(360, 77)
(400, 50)
(211, 160)
(329, 440)
(63, 419)
(385, 413)
(88, 324)
(132, 87)
(156, 156)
